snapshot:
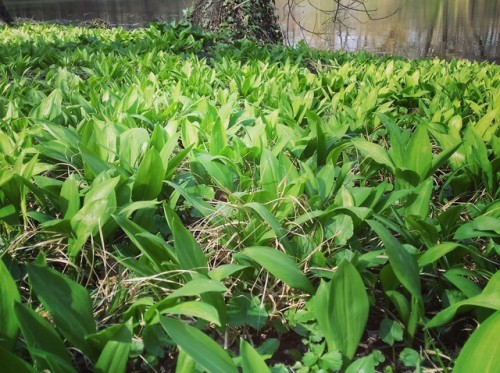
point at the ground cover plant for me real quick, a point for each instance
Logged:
(171, 201)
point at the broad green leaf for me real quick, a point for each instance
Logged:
(99, 204)
(68, 303)
(92, 164)
(401, 303)
(410, 358)
(99, 339)
(199, 346)
(365, 364)
(13, 363)
(481, 226)
(220, 172)
(421, 204)
(198, 286)
(188, 251)
(281, 266)
(218, 138)
(403, 264)
(8, 296)
(348, 308)
(487, 223)
(269, 172)
(462, 283)
(149, 177)
(251, 360)
(480, 352)
(153, 247)
(273, 223)
(424, 230)
(390, 331)
(244, 309)
(489, 298)
(196, 309)
(486, 126)
(185, 363)
(84, 223)
(418, 154)
(114, 357)
(40, 335)
(203, 207)
(223, 271)
(436, 252)
(331, 361)
(131, 143)
(441, 158)
(127, 210)
(374, 151)
(175, 161)
(340, 228)
(69, 199)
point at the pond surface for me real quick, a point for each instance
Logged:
(412, 28)
(128, 13)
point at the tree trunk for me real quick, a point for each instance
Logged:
(4, 15)
(254, 19)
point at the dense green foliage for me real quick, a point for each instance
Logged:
(166, 198)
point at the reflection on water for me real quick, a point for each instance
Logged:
(419, 28)
(131, 13)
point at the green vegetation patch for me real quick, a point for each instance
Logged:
(168, 199)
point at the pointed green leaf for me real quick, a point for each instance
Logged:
(218, 171)
(8, 296)
(273, 223)
(251, 360)
(489, 298)
(69, 198)
(199, 346)
(67, 302)
(403, 264)
(269, 167)
(188, 251)
(153, 247)
(349, 311)
(149, 177)
(40, 335)
(418, 154)
(198, 286)
(480, 352)
(281, 266)
(185, 363)
(436, 252)
(99, 204)
(341, 308)
(13, 363)
(196, 309)
(115, 355)
(374, 151)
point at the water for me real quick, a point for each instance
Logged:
(128, 13)
(419, 28)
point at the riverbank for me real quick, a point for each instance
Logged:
(169, 198)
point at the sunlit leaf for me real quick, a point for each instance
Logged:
(479, 353)
(251, 360)
(8, 296)
(199, 346)
(280, 265)
(114, 357)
